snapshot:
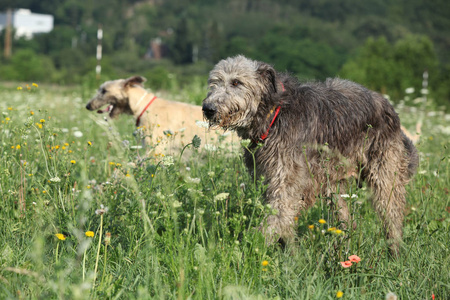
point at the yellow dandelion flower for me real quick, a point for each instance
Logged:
(64, 148)
(19, 88)
(89, 233)
(322, 221)
(331, 229)
(31, 112)
(89, 143)
(70, 151)
(43, 192)
(42, 120)
(265, 263)
(339, 294)
(338, 231)
(7, 119)
(60, 236)
(34, 84)
(264, 269)
(153, 175)
(311, 226)
(40, 126)
(72, 161)
(57, 147)
(88, 187)
(295, 219)
(128, 175)
(112, 163)
(18, 147)
(66, 144)
(118, 165)
(24, 163)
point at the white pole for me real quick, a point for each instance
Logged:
(98, 68)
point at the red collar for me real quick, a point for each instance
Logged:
(145, 108)
(277, 111)
(265, 134)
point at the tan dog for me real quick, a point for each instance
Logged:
(164, 123)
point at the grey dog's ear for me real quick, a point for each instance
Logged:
(135, 80)
(268, 74)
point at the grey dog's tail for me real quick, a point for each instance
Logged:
(412, 153)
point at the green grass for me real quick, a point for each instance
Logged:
(177, 229)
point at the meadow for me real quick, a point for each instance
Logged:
(85, 214)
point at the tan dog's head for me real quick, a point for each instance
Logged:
(114, 93)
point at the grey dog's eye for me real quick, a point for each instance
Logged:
(235, 82)
(102, 91)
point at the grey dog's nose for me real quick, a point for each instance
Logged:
(209, 110)
(88, 106)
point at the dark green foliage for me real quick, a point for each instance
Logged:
(313, 39)
(391, 68)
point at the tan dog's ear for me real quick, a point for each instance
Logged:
(135, 80)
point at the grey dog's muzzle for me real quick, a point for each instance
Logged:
(209, 110)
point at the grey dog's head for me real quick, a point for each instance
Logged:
(114, 93)
(237, 85)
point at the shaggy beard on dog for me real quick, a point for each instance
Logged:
(319, 134)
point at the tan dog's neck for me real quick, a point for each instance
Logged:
(138, 99)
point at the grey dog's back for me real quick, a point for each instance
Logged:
(337, 112)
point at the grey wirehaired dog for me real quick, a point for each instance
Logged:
(314, 136)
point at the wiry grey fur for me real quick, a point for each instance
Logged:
(325, 133)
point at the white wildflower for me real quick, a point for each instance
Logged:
(102, 210)
(345, 196)
(192, 180)
(202, 124)
(77, 134)
(245, 143)
(221, 196)
(176, 204)
(354, 196)
(424, 91)
(55, 179)
(391, 296)
(210, 147)
(409, 90)
(167, 161)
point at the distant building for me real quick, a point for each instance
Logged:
(26, 24)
